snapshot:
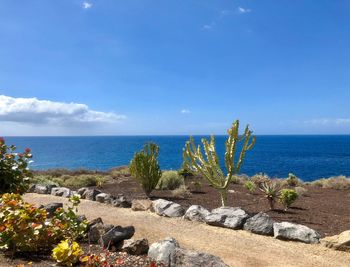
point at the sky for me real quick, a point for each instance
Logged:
(112, 67)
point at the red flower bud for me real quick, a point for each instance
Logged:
(27, 150)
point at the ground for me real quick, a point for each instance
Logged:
(236, 248)
(325, 210)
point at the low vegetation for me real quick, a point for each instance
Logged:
(287, 197)
(170, 180)
(336, 182)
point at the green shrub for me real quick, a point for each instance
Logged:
(185, 172)
(288, 197)
(14, 172)
(270, 189)
(22, 226)
(292, 180)
(250, 186)
(145, 169)
(66, 223)
(195, 187)
(67, 252)
(170, 180)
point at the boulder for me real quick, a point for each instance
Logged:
(41, 189)
(163, 251)
(141, 204)
(228, 217)
(95, 233)
(103, 198)
(338, 242)
(136, 247)
(121, 202)
(191, 258)
(167, 208)
(90, 194)
(295, 232)
(260, 223)
(61, 192)
(51, 208)
(82, 190)
(196, 213)
(93, 222)
(116, 235)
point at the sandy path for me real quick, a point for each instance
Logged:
(236, 248)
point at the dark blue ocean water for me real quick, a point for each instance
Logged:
(309, 157)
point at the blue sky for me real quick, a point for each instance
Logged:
(74, 67)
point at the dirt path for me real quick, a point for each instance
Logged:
(236, 248)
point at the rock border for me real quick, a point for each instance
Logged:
(234, 218)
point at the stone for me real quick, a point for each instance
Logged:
(167, 208)
(121, 202)
(103, 198)
(116, 235)
(295, 232)
(338, 242)
(90, 194)
(141, 205)
(51, 208)
(82, 190)
(95, 233)
(260, 223)
(61, 192)
(41, 189)
(135, 247)
(196, 213)
(191, 258)
(229, 217)
(163, 251)
(93, 222)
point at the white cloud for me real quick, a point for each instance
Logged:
(242, 10)
(87, 5)
(207, 27)
(325, 121)
(35, 111)
(185, 111)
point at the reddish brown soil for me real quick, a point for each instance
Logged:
(325, 210)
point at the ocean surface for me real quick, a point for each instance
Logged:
(309, 157)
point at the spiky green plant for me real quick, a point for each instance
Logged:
(209, 166)
(145, 169)
(270, 190)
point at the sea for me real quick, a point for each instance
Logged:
(307, 156)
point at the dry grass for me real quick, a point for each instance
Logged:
(335, 182)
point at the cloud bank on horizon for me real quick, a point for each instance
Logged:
(35, 112)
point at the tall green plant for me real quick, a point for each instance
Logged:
(14, 172)
(209, 166)
(145, 169)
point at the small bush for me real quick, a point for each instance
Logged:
(185, 172)
(145, 169)
(181, 191)
(123, 171)
(301, 191)
(270, 189)
(195, 187)
(288, 197)
(260, 179)
(292, 180)
(67, 252)
(170, 180)
(14, 172)
(22, 226)
(250, 186)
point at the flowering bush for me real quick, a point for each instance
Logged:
(66, 224)
(22, 226)
(14, 172)
(67, 252)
